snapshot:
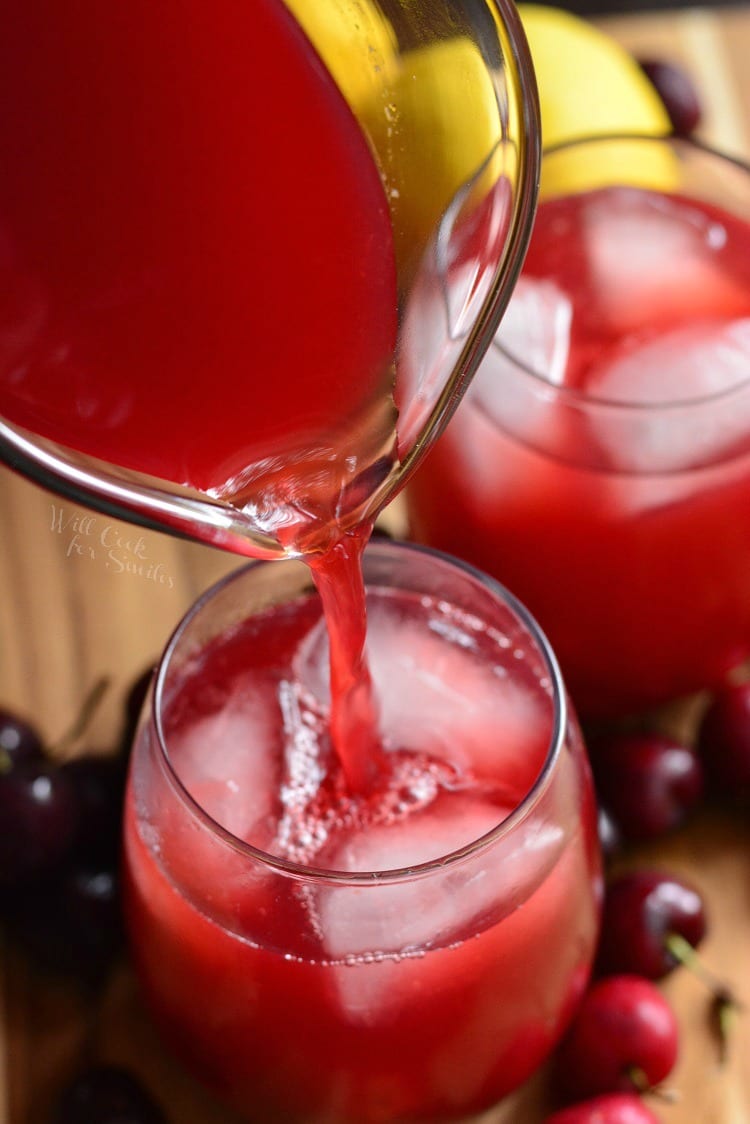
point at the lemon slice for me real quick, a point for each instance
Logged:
(590, 85)
(435, 126)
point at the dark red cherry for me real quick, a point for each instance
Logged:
(107, 1095)
(645, 912)
(677, 91)
(19, 741)
(724, 743)
(615, 1108)
(39, 818)
(623, 1038)
(648, 783)
(71, 924)
(98, 782)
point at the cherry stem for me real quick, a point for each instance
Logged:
(82, 720)
(724, 1011)
(724, 1006)
(685, 953)
(643, 1086)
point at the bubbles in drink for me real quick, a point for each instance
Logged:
(461, 716)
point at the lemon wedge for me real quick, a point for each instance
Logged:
(435, 126)
(590, 85)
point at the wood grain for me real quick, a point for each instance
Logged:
(70, 612)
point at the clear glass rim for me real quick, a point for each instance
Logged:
(580, 398)
(302, 872)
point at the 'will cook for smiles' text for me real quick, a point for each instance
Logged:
(123, 551)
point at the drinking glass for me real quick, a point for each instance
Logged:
(425, 960)
(218, 230)
(600, 465)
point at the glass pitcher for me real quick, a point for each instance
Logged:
(251, 255)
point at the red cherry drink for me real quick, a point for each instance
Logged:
(302, 976)
(196, 252)
(599, 463)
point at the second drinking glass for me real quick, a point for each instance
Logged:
(600, 464)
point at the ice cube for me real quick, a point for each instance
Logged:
(407, 916)
(410, 918)
(429, 348)
(703, 361)
(535, 330)
(656, 258)
(440, 694)
(534, 336)
(228, 761)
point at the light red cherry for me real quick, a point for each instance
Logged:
(615, 1108)
(623, 1038)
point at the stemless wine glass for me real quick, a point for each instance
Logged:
(428, 955)
(217, 250)
(600, 465)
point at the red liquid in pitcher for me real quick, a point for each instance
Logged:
(624, 530)
(196, 254)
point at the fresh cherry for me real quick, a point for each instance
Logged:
(71, 924)
(616, 1108)
(648, 783)
(39, 818)
(19, 741)
(107, 1095)
(623, 1038)
(677, 92)
(724, 743)
(98, 783)
(647, 919)
(651, 923)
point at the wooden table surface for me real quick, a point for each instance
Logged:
(70, 613)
